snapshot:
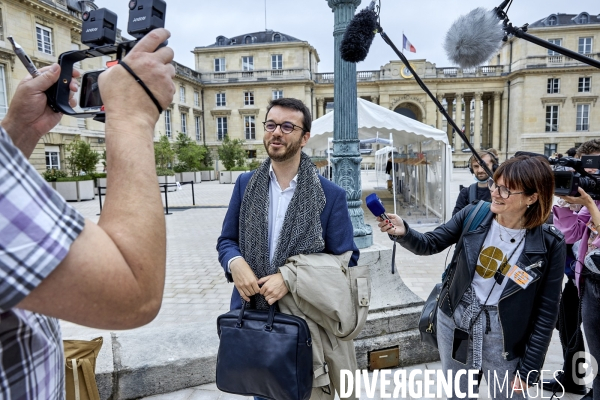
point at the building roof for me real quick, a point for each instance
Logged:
(268, 36)
(560, 19)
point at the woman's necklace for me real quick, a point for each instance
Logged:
(512, 238)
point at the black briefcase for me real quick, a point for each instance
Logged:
(264, 353)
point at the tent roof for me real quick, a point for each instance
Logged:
(373, 121)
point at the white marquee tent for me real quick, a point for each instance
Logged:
(422, 153)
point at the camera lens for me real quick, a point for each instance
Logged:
(85, 16)
(132, 4)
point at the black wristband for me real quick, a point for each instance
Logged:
(138, 80)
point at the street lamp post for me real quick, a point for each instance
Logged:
(346, 146)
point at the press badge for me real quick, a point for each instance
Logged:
(519, 276)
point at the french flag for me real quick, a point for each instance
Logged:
(408, 45)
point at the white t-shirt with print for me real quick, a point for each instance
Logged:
(493, 253)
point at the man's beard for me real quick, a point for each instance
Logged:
(291, 149)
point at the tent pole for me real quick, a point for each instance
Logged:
(393, 172)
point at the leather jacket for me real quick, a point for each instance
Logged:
(527, 316)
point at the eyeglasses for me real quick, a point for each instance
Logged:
(503, 190)
(286, 127)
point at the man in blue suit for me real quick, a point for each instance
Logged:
(282, 209)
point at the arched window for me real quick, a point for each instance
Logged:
(221, 41)
(277, 37)
(583, 19)
(552, 20)
(248, 40)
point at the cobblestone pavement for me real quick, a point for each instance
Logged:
(196, 290)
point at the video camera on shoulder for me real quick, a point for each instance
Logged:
(566, 183)
(99, 32)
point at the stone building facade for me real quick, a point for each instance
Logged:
(505, 105)
(526, 98)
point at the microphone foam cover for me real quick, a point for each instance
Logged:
(359, 36)
(474, 38)
(375, 205)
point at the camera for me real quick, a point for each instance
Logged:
(99, 31)
(566, 183)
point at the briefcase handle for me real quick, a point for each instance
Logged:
(270, 318)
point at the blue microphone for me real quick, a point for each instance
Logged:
(375, 205)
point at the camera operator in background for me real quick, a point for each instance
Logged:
(478, 190)
(581, 230)
(53, 263)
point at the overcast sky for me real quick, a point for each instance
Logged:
(198, 22)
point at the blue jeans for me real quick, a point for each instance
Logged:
(590, 314)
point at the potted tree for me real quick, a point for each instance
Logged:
(207, 171)
(189, 159)
(163, 157)
(101, 176)
(81, 164)
(233, 157)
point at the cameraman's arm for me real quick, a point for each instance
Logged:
(588, 214)
(29, 117)
(113, 275)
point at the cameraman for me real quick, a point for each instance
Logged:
(53, 263)
(581, 230)
(478, 190)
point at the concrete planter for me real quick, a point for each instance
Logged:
(167, 179)
(101, 182)
(75, 190)
(189, 176)
(208, 175)
(225, 177)
(235, 175)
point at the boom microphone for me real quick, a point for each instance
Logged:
(474, 38)
(359, 35)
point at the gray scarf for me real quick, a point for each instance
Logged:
(301, 232)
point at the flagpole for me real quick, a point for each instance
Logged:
(403, 41)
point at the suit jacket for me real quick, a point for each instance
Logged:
(338, 232)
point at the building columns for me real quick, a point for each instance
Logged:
(438, 121)
(450, 111)
(496, 127)
(477, 124)
(468, 132)
(320, 106)
(458, 142)
(485, 123)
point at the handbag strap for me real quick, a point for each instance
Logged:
(270, 318)
(474, 218)
(89, 378)
(75, 379)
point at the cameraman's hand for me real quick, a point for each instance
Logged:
(29, 117)
(584, 199)
(124, 98)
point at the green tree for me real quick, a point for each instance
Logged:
(163, 153)
(232, 153)
(81, 157)
(103, 158)
(190, 155)
(207, 161)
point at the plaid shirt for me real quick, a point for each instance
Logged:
(37, 228)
